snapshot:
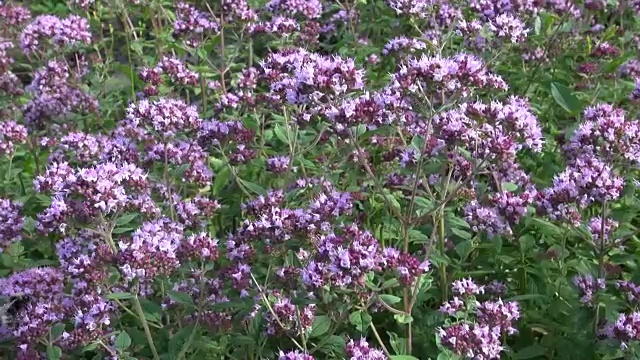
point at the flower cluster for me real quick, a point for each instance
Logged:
(605, 133)
(362, 350)
(193, 24)
(586, 181)
(11, 133)
(165, 117)
(151, 251)
(84, 193)
(174, 68)
(55, 95)
(344, 260)
(288, 318)
(11, 222)
(588, 286)
(59, 32)
(482, 338)
(625, 328)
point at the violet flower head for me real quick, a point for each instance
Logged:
(14, 15)
(508, 27)
(602, 233)
(467, 287)
(294, 355)
(635, 94)
(60, 32)
(630, 290)
(192, 23)
(588, 287)
(361, 349)
(343, 260)
(278, 164)
(11, 223)
(417, 8)
(166, 117)
(308, 9)
(11, 133)
(151, 251)
(473, 341)
(498, 314)
(626, 328)
(290, 318)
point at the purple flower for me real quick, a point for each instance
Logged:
(278, 164)
(630, 289)
(473, 341)
(498, 314)
(588, 286)
(60, 32)
(166, 117)
(357, 350)
(626, 328)
(294, 355)
(11, 222)
(11, 133)
(467, 287)
(151, 251)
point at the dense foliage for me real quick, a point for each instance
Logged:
(311, 179)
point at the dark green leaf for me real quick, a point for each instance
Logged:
(123, 341)
(390, 299)
(321, 325)
(360, 319)
(565, 98)
(530, 352)
(54, 353)
(180, 297)
(119, 296)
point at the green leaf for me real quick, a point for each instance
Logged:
(252, 186)
(463, 249)
(510, 187)
(119, 296)
(461, 233)
(221, 179)
(565, 98)
(526, 297)
(403, 357)
(243, 340)
(321, 325)
(403, 318)
(125, 219)
(123, 341)
(281, 134)
(398, 344)
(334, 343)
(54, 353)
(56, 331)
(360, 319)
(180, 297)
(531, 352)
(390, 299)
(178, 339)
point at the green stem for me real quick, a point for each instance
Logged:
(145, 326)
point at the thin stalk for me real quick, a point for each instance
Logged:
(145, 326)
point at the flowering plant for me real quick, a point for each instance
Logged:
(310, 179)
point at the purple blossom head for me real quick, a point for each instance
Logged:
(467, 287)
(166, 117)
(294, 355)
(588, 287)
(362, 350)
(59, 32)
(11, 222)
(151, 251)
(473, 341)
